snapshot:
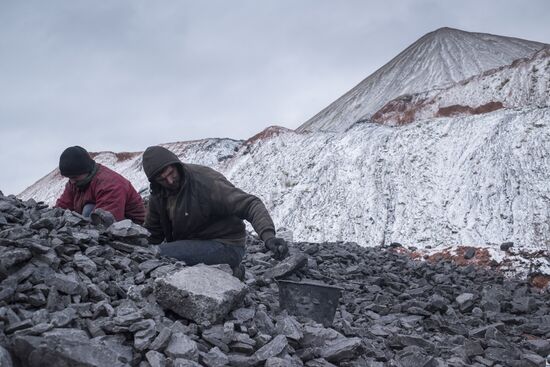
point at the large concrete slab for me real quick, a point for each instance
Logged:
(200, 293)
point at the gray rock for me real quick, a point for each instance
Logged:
(38, 246)
(13, 256)
(128, 319)
(243, 348)
(150, 265)
(65, 283)
(144, 337)
(534, 360)
(287, 266)
(490, 305)
(415, 340)
(155, 359)
(480, 331)
(5, 358)
(241, 360)
(60, 349)
(217, 336)
(180, 362)
(181, 346)
(469, 253)
(272, 349)
(539, 346)
(162, 339)
(415, 358)
(215, 358)
(472, 348)
(319, 362)
(341, 349)
(317, 336)
(277, 362)
(264, 323)
(503, 355)
(63, 318)
(200, 293)
(522, 305)
(288, 326)
(465, 301)
(243, 314)
(126, 228)
(505, 246)
(20, 325)
(244, 339)
(85, 264)
(47, 223)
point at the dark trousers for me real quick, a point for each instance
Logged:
(208, 252)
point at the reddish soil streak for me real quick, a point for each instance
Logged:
(267, 133)
(540, 281)
(457, 109)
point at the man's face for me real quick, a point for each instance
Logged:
(74, 179)
(169, 178)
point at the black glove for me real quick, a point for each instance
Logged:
(278, 246)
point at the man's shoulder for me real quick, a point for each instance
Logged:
(105, 175)
(201, 172)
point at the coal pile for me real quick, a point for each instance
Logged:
(76, 294)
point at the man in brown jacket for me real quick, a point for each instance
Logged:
(199, 213)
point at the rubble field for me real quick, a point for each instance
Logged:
(76, 294)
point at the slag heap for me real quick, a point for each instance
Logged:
(76, 294)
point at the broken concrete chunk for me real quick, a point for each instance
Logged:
(200, 293)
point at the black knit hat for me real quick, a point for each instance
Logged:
(75, 161)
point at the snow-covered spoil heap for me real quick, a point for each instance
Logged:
(438, 59)
(72, 294)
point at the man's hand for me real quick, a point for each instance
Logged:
(278, 246)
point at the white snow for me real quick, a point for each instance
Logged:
(526, 82)
(436, 60)
(434, 184)
(475, 180)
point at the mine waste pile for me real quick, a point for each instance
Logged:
(76, 294)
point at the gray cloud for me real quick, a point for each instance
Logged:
(127, 74)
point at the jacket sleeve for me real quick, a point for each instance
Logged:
(152, 222)
(234, 201)
(66, 200)
(111, 196)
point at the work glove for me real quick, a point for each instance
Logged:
(100, 217)
(278, 247)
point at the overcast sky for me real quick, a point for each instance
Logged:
(123, 75)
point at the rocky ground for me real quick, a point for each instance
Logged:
(75, 294)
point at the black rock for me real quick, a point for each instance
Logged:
(470, 253)
(505, 246)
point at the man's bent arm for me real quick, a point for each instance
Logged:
(66, 200)
(246, 206)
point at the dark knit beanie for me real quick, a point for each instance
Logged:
(75, 161)
(155, 158)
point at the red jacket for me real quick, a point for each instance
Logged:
(109, 191)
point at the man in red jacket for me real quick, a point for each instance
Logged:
(93, 186)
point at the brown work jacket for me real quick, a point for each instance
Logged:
(208, 207)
